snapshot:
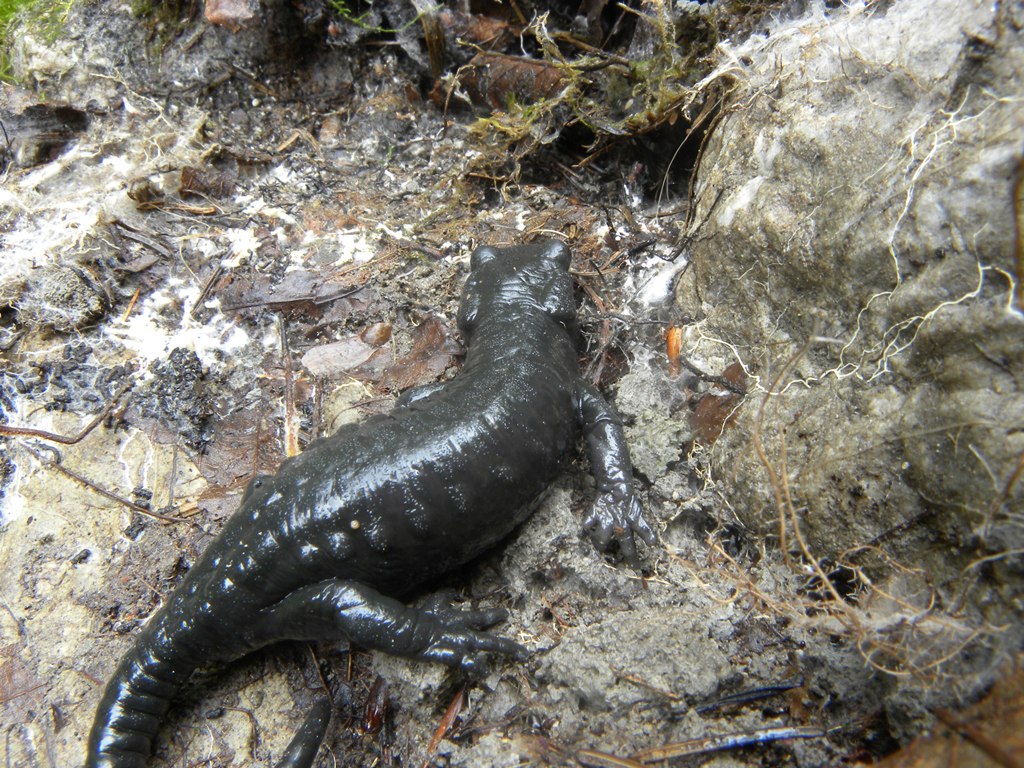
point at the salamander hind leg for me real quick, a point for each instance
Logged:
(459, 637)
(339, 608)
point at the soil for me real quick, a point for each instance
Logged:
(258, 234)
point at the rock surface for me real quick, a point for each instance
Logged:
(853, 245)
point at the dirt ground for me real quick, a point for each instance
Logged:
(237, 240)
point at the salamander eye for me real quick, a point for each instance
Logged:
(255, 483)
(558, 252)
(481, 256)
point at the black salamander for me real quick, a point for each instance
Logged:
(316, 551)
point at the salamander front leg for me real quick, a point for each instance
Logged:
(616, 516)
(347, 609)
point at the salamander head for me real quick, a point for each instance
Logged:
(518, 280)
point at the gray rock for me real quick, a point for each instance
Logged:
(853, 247)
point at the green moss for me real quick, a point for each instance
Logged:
(170, 12)
(45, 19)
(163, 20)
(10, 8)
(360, 12)
(616, 98)
(618, 94)
(348, 10)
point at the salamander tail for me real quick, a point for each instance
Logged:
(306, 743)
(135, 701)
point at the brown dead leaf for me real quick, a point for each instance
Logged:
(344, 357)
(300, 290)
(713, 414)
(376, 334)
(989, 734)
(16, 679)
(432, 352)
(245, 444)
(493, 80)
(736, 376)
(482, 31)
(205, 182)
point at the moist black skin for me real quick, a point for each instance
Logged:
(380, 507)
